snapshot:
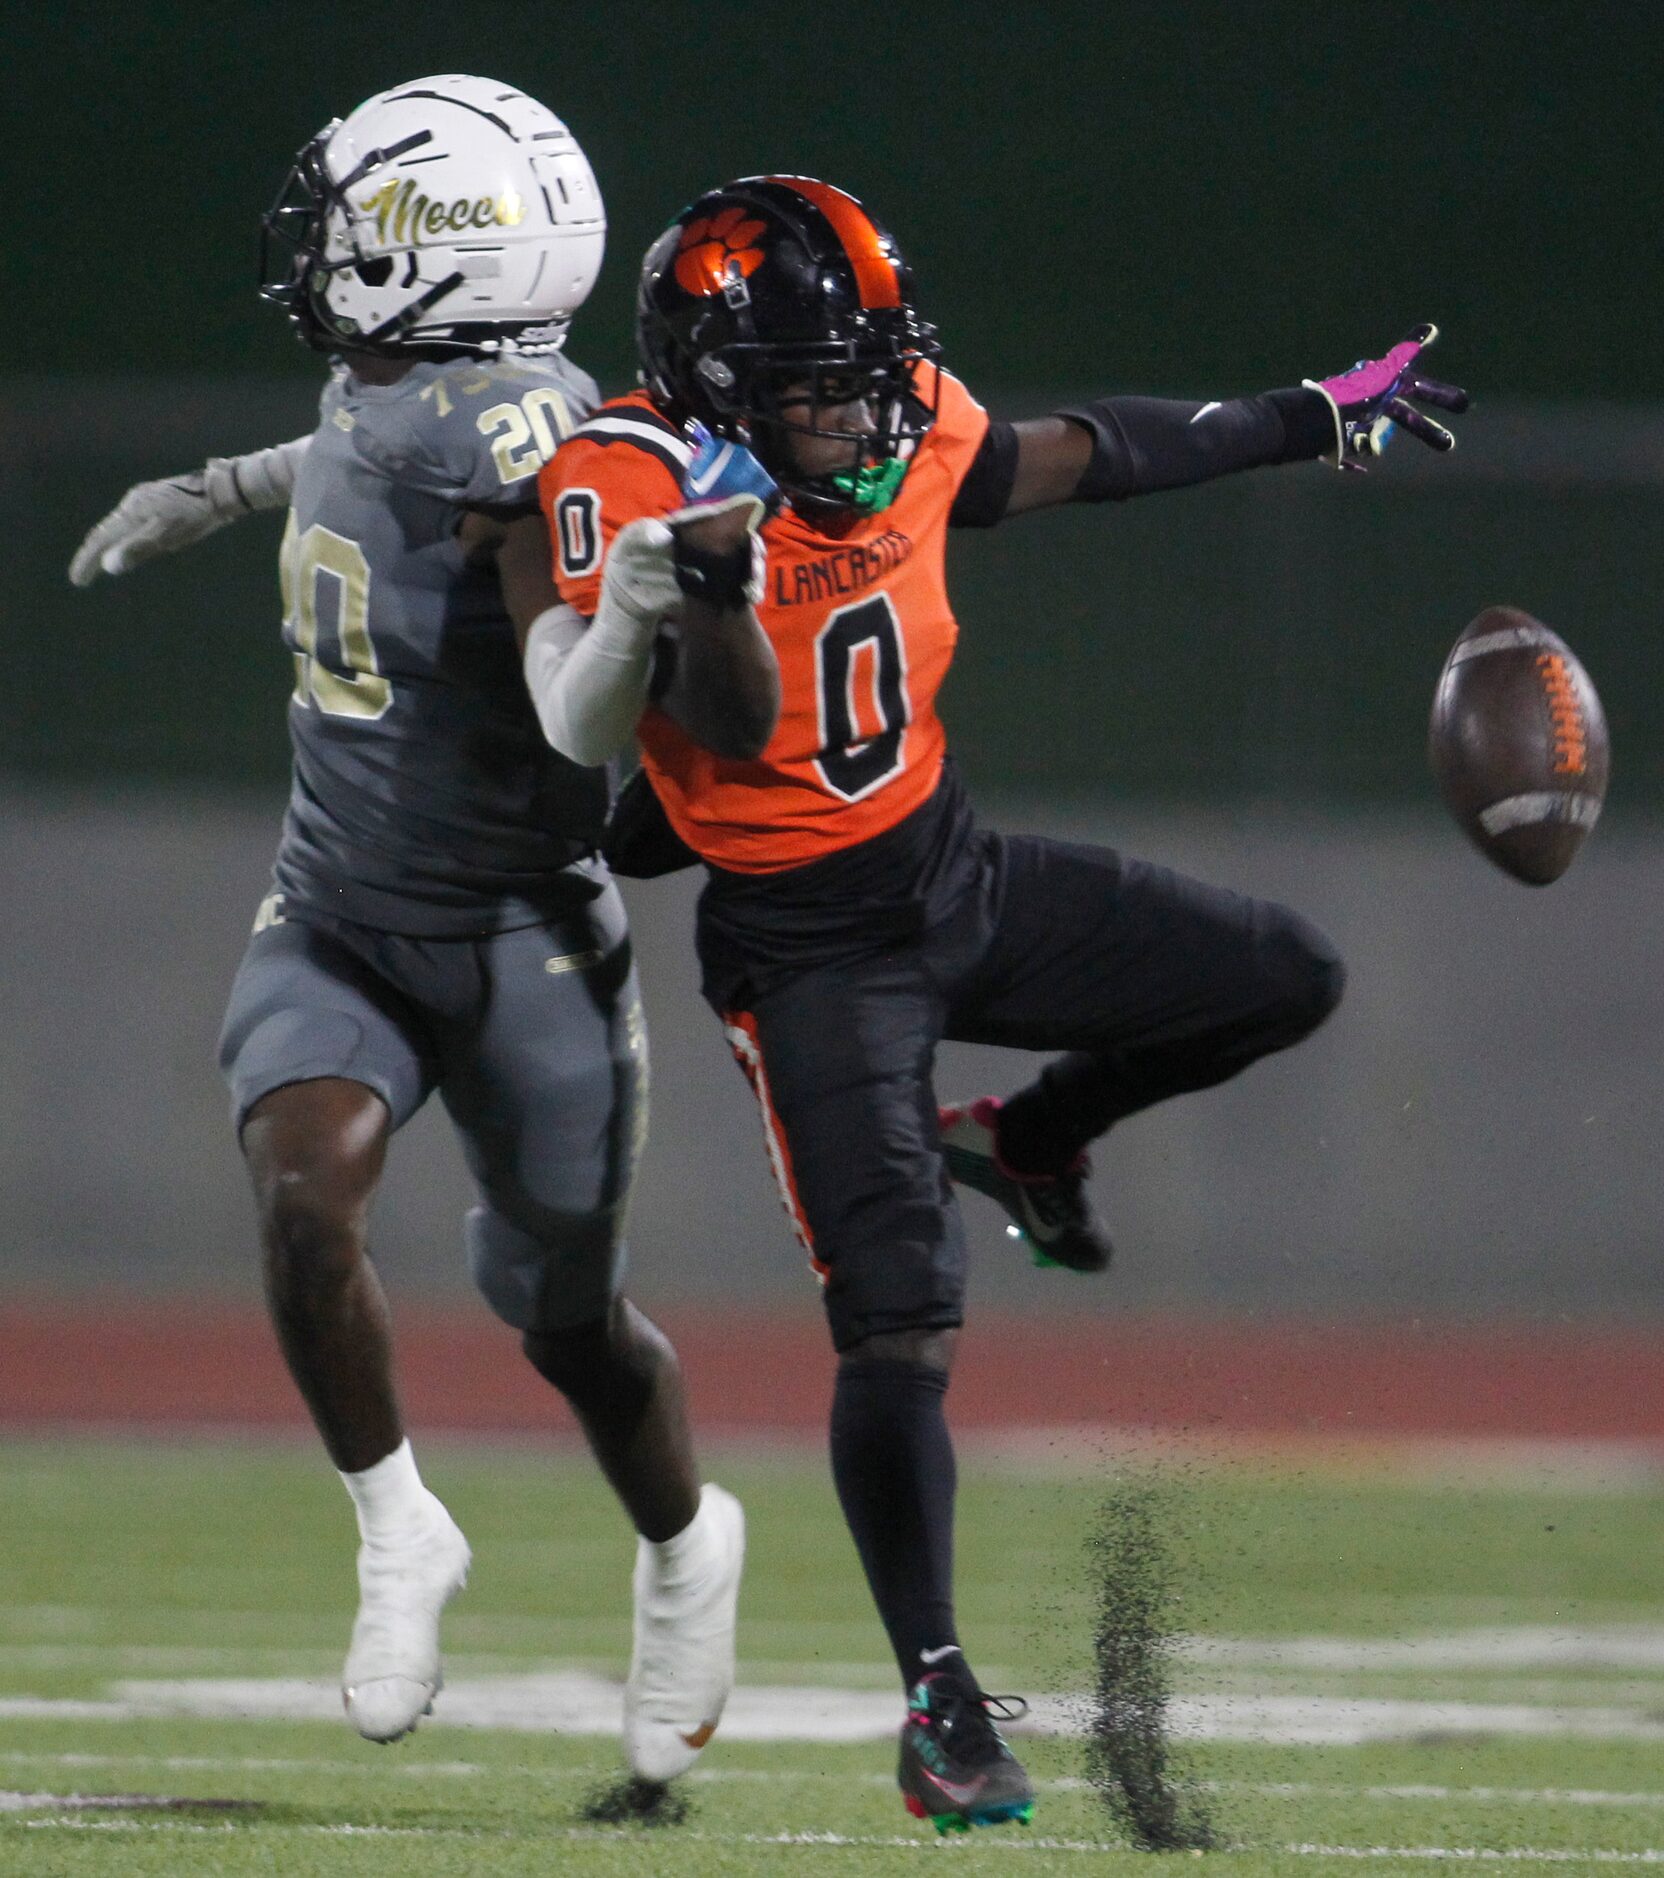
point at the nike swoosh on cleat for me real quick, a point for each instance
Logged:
(1038, 1230)
(960, 1796)
(700, 1735)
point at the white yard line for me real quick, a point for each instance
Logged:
(399, 1769)
(1520, 1646)
(577, 1704)
(1015, 1845)
(719, 1776)
(571, 1701)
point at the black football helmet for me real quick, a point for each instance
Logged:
(777, 282)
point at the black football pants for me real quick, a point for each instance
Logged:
(1151, 984)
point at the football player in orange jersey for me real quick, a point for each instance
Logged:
(794, 462)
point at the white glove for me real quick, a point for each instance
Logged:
(640, 575)
(162, 517)
(589, 683)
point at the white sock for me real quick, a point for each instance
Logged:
(390, 1497)
(683, 1554)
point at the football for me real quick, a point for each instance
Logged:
(1518, 743)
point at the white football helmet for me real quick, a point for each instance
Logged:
(450, 216)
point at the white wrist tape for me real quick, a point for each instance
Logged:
(264, 479)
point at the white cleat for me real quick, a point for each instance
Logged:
(682, 1667)
(392, 1670)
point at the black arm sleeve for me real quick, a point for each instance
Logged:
(1141, 445)
(986, 489)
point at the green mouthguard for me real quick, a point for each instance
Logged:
(873, 486)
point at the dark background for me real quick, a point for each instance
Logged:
(1199, 198)
(1171, 196)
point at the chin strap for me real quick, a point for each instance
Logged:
(401, 322)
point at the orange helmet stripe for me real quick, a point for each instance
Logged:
(875, 272)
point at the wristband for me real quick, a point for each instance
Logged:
(264, 479)
(724, 578)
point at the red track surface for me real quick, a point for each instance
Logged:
(148, 1364)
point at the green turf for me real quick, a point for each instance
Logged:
(136, 1561)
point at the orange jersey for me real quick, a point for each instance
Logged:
(859, 621)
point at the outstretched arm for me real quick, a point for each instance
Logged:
(162, 517)
(1114, 448)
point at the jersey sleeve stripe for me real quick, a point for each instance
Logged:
(657, 441)
(639, 411)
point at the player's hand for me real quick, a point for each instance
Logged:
(1375, 397)
(725, 531)
(640, 575)
(723, 480)
(163, 517)
(152, 519)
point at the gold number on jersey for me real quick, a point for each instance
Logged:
(359, 690)
(531, 430)
(438, 396)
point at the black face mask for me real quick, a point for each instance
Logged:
(900, 389)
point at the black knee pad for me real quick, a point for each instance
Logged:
(600, 1367)
(929, 1347)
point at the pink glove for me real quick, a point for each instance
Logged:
(1372, 399)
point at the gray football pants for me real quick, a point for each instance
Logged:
(536, 1043)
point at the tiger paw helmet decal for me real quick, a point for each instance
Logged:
(714, 245)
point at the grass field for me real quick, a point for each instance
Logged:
(1378, 1667)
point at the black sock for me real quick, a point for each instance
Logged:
(892, 1461)
(1070, 1103)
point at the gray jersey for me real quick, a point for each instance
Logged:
(425, 797)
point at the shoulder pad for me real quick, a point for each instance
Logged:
(638, 426)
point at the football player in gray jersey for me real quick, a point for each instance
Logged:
(439, 918)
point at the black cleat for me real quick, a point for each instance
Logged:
(1053, 1212)
(956, 1770)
